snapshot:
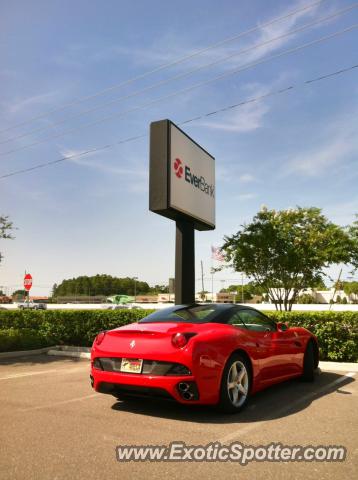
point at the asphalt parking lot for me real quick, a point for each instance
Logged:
(53, 426)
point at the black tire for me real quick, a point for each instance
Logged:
(227, 401)
(308, 363)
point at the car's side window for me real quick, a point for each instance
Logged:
(254, 320)
(235, 320)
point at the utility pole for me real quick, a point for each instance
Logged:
(28, 295)
(202, 279)
(242, 287)
(135, 289)
(335, 288)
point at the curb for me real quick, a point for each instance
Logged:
(339, 366)
(56, 350)
(25, 353)
(68, 353)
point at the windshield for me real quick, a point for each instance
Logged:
(188, 314)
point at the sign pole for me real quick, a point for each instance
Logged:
(184, 263)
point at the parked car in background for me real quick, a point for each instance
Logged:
(32, 306)
(121, 306)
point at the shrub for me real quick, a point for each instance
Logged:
(68, 327)
(306, 298)
(12, 339)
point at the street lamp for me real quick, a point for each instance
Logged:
(135, 289)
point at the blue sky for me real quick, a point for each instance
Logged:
(90, 214)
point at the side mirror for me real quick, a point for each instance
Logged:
(282, 327)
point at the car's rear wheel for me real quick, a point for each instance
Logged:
(308, 363)
(235, 384)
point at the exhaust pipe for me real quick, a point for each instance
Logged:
(188, 395)
(183, 387)
(188, 390)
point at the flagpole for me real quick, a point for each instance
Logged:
(212, 281)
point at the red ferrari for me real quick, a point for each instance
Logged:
(201, 354)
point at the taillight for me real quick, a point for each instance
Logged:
(179, 340)
(98, 340)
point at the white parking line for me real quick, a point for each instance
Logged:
(43, 372)
(63, 402)
(252, 426)
(26, 374)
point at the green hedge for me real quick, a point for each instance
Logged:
(337, 332)
(67, 327)
(12, 339)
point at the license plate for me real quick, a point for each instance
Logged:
(131, 365)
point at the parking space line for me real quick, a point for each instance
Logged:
(63, 402)
(26, 374)
(243, 430)
(43, 372)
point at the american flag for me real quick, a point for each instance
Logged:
(216, 254)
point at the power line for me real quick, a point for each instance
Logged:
(169, 64)
(215, 112)
(183, 75)
(185, 90)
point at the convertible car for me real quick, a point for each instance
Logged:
(201, 354)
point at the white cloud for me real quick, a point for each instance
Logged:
(315, 161)
(342, 213)
(246, 178)
(103, 165)
(30, 102)
(246, 196)
(173, 47)
(335, 143)
(281, 28)
(247, 118)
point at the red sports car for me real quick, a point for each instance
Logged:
(201, 354)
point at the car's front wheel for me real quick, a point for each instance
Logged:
(235, 384)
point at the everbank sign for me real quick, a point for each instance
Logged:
(192, 179)
(181, 177)
(197, 182)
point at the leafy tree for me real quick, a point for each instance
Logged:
(353, 233)
(19, 295)
(99, 285)
(6, 228)
(286, 251)
(351, 289)
(319, 285)
(158, 289)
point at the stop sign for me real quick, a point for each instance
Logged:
(27, 281)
